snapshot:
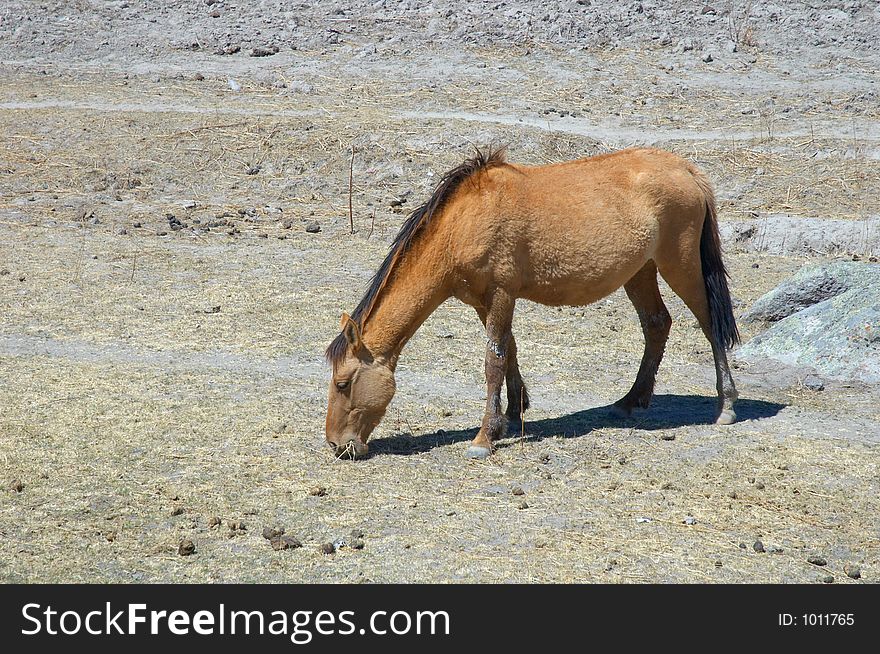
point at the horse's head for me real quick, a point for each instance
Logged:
(360, 390)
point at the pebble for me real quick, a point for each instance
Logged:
(758, 546)
(327, 548)
(285, 543)
(121, 231)
(827, 579)
(690, 520)
(357, 544)
(235, 86)
(517, 490)
(214, 521)
(16, 486)
(272, 532)
(852, 571)
(356, 533)
(186, 547)
(667, 436)
(177, 510)
(317, 491)
(817, 560)
(544, 458)
(267, 51)
(313, 227)
(237, 525)
(523, 505)
(813, 383)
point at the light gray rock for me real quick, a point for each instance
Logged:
(838, 336)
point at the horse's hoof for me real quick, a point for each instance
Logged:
(620, 412)
(727, 417)
(477, 452)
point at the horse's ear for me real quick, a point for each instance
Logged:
(351, 331)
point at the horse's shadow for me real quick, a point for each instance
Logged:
(666, 412)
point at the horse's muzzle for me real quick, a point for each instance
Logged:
(353, 448)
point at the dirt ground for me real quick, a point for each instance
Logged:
(164, 310)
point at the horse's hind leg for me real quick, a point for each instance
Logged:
(686, 280)
(517, 393)
(645, 295)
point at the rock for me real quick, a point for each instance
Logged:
(214, 521)
(357, 544)
(808, 287)
(852, 571)
(16, 486)
(813, 383)
(313, 227)
(707, 57)
(177, 510)
(186, 548)
(817, 560)
(266, 51)
(237, 525)
(326, 548)
(285, 543)
(120, 231)
(523, 505)
(828, 321)
(253, 170)
(235, 86)
(758, 546)
(318, 491)
(667, 436)
(690, 520)
(517, 490)
(272, 532)
(827, 579)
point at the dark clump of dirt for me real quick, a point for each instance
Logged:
(285, 543)
(272, 532)
(186, 547)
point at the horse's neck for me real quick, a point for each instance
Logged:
(417, 287)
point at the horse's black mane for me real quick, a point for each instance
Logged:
(446, 187)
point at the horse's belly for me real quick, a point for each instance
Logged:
(579, 280)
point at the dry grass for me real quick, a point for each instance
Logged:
(126, 395)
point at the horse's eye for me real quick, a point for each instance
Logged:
(342, 385)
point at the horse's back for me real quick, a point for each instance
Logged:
(573, 232)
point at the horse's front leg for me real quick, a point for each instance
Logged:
(498, 323)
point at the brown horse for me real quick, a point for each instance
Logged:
(561, 234)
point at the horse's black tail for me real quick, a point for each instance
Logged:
(724, 331)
